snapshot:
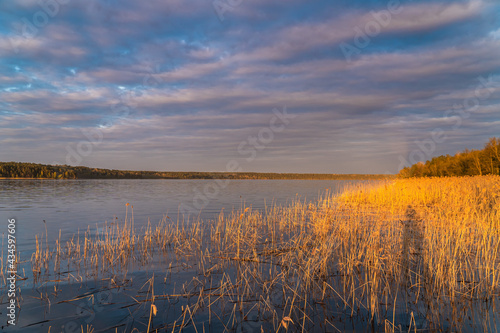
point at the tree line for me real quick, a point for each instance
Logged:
(466, 163)
(43, 171)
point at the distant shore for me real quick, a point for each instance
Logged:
(18, 170)
(326, 177)
(23, 178)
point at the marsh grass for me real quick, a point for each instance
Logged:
(402, 255)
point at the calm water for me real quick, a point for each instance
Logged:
(76, 204)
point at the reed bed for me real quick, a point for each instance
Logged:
(401, 255)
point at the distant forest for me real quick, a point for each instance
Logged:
(42, 171)
(467, 163)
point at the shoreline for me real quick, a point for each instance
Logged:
(21, 170)
(207, 178)
(25, 178)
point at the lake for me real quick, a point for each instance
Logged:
(72, 205)
(258, 270)
(69, 206)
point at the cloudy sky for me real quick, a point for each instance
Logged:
(331, 86)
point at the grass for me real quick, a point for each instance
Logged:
(401, 255)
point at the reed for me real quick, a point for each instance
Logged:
(427, 247)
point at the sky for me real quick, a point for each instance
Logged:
(259, 86)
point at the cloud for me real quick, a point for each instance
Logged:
(171, 85)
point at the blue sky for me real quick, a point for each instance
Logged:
(190, 85)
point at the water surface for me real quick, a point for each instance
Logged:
(72, 205)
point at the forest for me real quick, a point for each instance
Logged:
(485, 161)
(43, 171)
(466, 163)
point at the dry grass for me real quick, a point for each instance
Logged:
(428, 248)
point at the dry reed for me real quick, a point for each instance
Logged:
(424, 247)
